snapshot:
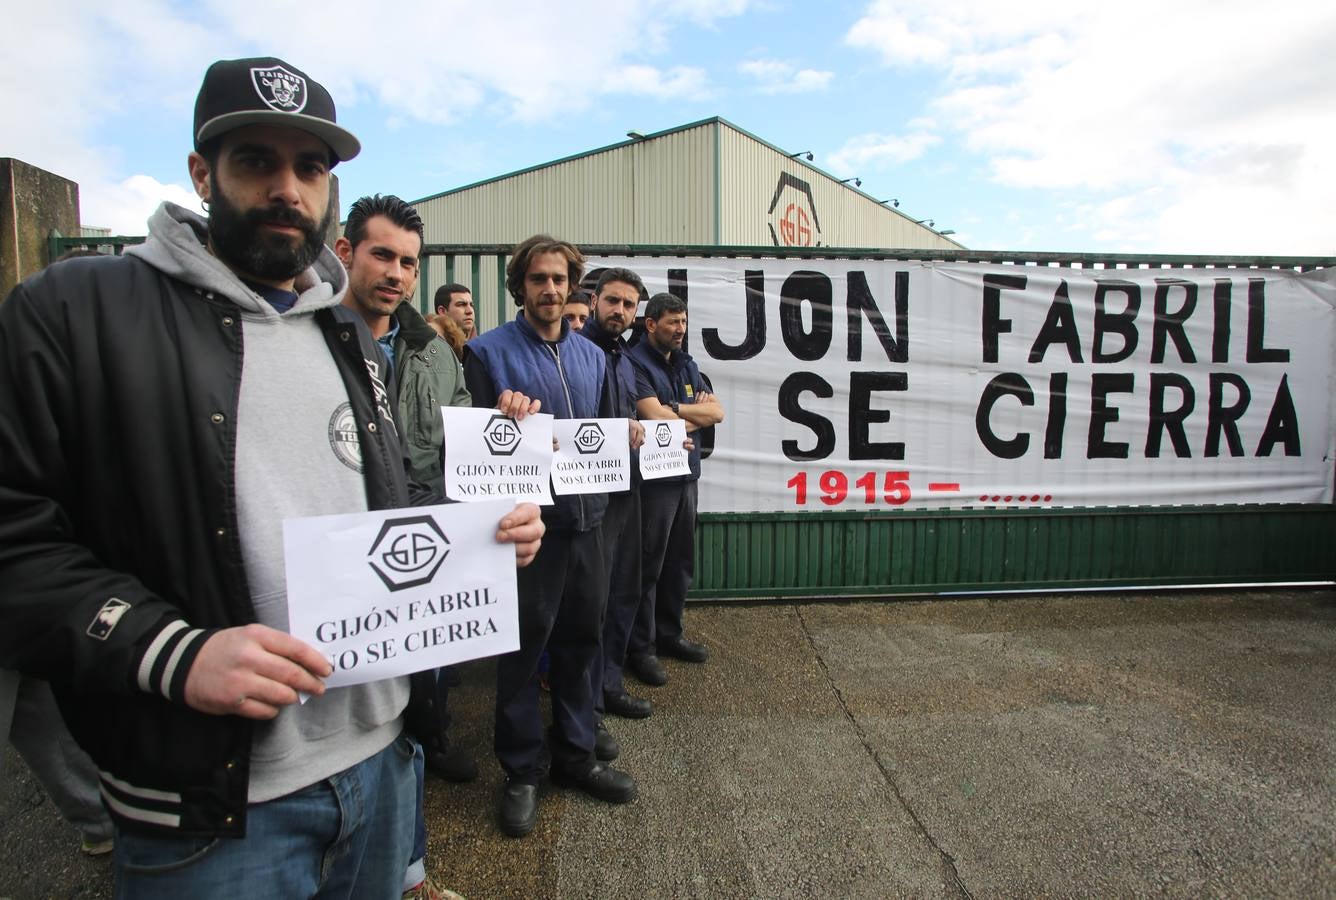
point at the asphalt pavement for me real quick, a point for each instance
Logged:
(1176, 744)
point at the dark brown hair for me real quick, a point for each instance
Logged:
(538, 245)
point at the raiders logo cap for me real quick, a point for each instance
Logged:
(268, 91)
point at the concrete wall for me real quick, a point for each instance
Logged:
(32, 203)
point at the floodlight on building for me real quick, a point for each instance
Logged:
(894, 202)
(805, 154)
(858, 182)
(947, 231)
(635, 135)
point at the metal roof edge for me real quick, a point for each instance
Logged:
(574, 156)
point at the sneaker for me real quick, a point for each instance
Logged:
(97, 848)
(426, 890)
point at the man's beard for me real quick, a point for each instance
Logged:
(609, 327)
(236, 237)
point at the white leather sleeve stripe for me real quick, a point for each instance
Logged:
(126, 787)
(141, 815)
(175, 659)
(154, 649)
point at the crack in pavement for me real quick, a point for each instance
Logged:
(947, 860)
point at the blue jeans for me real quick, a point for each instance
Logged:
(417, 866)
(347, 836)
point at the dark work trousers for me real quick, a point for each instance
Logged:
(561, 596)
(621, 542)
(668, 561)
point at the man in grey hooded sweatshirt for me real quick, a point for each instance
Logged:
(161, 414)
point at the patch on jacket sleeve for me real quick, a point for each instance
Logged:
(106, 618)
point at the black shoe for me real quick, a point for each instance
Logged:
(648, 669)
(455, 764)
(602, 782)
(683, 649)
(628, 707)
(606, 747)
(518, 813)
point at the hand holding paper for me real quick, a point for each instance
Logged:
(391, 592)
(664, 453)
(516, 405)
(592, 456)
(488, 455)
(524, 528)
(251, 671)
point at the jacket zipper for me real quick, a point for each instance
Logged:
(570, 409)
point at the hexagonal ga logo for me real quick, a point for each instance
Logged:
(502, 435)
(793, 221)
(408, 552)
(663, 434)
(589, 438)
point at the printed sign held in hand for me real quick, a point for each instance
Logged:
(489, 455)
(662, 454)
(393, 592)
(593, 456)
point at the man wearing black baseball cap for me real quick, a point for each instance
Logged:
(268, 91)
(161, 414)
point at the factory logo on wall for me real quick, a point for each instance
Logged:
(793, 221)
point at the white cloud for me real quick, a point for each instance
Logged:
(774, 77)
(125, 207)
(866, 150)
(679, 81)
(541, 61)
(1194, 126)
(70, 69)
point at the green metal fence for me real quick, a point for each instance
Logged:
(780, 555)
(785, 555)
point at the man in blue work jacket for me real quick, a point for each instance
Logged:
(562, 595)
(612, 310)
(669, 386)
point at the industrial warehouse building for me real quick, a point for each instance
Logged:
(708, 183)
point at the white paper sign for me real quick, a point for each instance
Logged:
(393, 592)
(593, 456)
(488, 455)
(662, 454)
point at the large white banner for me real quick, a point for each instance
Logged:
(866, 384)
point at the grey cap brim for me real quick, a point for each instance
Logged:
(340, 140)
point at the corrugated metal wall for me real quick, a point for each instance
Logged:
(672, 192)
(655, 191)
(707, 183)
(751, 171)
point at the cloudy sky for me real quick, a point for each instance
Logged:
(1179, 127)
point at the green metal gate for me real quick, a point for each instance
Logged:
(903, 552)
(787, 555)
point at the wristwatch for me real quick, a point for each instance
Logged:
(675, 407)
